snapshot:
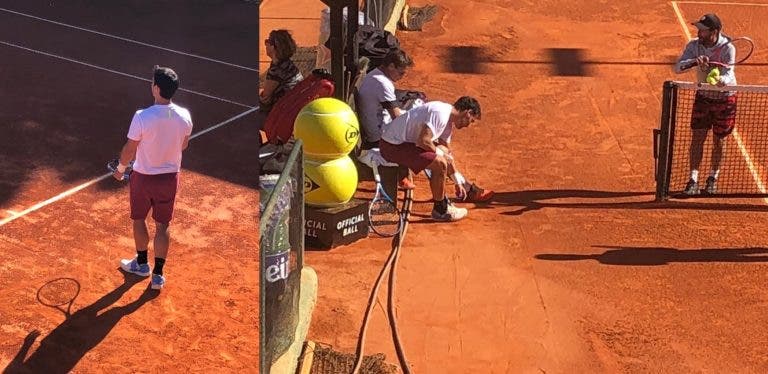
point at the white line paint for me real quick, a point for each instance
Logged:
(53, 199)
(752, 168)
(720, 3)
(91, 182)
(750, 164)
(128, 40)
(216, 126)
(118, 72)
(682, 22)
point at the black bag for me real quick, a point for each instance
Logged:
(373, 43)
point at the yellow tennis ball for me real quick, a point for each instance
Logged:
(328, 127)
(329, 183)
(714, 76)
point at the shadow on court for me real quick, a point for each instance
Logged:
(532, 200)
(65, 346)
(654, 256)
(567, 62)
(62, 120)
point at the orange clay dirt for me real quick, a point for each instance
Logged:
(60, 122)
(573, 267)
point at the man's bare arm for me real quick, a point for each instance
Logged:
(128, 152)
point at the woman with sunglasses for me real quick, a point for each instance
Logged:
(282, 74)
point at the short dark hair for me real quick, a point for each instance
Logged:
(167, 80)
(283, 42)
(468, 103)
(397, 57)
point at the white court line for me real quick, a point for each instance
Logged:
(105, 176)
(718, 3)
(752, 169)
(128, 40)
(118, 72)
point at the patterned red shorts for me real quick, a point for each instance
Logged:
(718, 113)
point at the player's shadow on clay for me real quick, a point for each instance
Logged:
(64, 346)
(656, 256)
(532, 200)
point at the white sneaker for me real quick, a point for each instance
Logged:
(451, 214)
(158, 281)
(132, 266)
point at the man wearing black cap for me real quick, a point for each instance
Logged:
(711, 109)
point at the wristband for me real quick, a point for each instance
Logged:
(439, 151)
(458, 178)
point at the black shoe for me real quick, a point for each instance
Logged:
(692, 188)
(711, 187)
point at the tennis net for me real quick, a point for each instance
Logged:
(743, 170)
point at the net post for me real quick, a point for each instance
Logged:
(663, 146)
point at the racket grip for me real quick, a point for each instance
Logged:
(376, 176)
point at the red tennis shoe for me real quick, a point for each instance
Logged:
(406, 184)
(476, 194)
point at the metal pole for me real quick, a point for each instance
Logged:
(665, 125)
(337, 50)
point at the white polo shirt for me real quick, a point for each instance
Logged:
(160, 131)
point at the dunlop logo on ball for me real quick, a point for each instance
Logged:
(309, 184)
(352, 134)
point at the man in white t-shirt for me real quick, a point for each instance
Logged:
(420, 139)
(379, 103)
(377, 99)
(156, 138)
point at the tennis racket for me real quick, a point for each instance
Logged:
(112, 166)
(384, 217)
(744, 48)
(59, 293)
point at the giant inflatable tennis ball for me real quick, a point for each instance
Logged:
(328, 127)
(329, 183)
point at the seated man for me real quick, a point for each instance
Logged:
(379, 103)
(420, 139)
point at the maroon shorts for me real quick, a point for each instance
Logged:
(408, 155)
(717, 113)
(153, 191)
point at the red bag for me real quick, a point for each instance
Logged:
(278, 125)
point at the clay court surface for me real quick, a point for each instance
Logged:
(66, 100)
(573, 267)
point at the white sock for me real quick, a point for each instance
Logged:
(714, 173)
(695, 175)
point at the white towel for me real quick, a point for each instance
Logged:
(373, 157)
